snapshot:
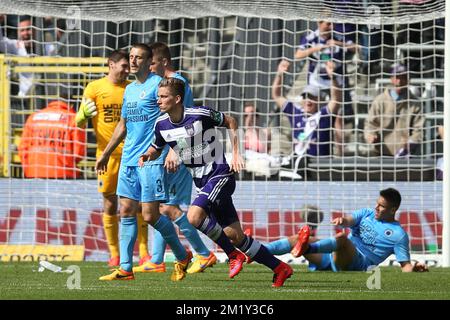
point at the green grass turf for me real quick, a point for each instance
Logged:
(254, 282)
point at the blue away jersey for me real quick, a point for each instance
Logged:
(140, 110)
(376, 239)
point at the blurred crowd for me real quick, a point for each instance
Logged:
(320, 120)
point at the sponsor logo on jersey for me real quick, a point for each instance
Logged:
(182, 144)
(388, 232)
(194, 152)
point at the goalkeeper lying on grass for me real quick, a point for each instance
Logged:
(375, 235)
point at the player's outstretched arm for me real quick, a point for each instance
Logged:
(151, 154)
(283, 67)
(336, 91)
(237, 163)
(119, 134)
(304, 53)
(334, 105)
(407, 266)
(346, 221)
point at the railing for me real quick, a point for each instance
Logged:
(61, 68)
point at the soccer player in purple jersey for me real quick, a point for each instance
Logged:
(191, 133)
(179, 185)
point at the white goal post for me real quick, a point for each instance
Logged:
(446, 181)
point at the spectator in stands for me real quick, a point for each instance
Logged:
(374, 36)
(312, 125)
(53, 31)
(72, 39)
(395, 122)
(22, 47)
(257, 145)
(321, 46)
(255, 138)
(8, 23)
(420, 62)
(51, 144)
(59, 41)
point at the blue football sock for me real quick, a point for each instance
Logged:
(158, 247)
(165, 226)
(256, 251)
(281, 246)
(191, 234)
(214, 231)
(128, 234)
(322, 246)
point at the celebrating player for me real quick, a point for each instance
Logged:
(375, 235)
(179, 185)
(191, 132)
(102, 102)
(145, 184)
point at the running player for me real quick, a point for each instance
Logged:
(179, 185)
(191, 133)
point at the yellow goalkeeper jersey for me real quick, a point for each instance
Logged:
(108, 98)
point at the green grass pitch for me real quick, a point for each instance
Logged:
(19, 281)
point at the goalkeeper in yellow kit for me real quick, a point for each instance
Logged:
(102, 102)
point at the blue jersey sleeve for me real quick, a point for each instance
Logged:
(401, 249)
(359, 215)
(188, 96)
(188, 100)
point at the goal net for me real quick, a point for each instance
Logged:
(230, 51)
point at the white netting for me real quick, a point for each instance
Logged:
(232, 61)
(360, 11)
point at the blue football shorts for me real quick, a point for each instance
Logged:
(143, 184)
(179, 187)
(359, 263)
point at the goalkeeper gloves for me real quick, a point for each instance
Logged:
(87, 110)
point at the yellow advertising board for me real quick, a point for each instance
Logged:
(15, 253)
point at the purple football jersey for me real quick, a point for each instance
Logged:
(195, 139)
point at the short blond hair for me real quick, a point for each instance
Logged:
(175, 85)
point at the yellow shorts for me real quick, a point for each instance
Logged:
(107, 182)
